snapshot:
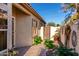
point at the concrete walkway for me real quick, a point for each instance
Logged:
(35, 50)
(22, 50)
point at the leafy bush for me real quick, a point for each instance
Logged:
(37, 40)
(62, 51)
(49, 44)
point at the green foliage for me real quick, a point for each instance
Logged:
(61, 51)
(58, 25)
(64, 51)
(71, 5)
(49, 44)
(37, 40)
(51, 24)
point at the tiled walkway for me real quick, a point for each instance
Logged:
(35, 50)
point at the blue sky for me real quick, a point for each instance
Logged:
(51, 12)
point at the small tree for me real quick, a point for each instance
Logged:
(51, 24)
(58, 25)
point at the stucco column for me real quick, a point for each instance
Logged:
(9, 30)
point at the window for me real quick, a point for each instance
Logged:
(3, 34)
(3, 40)
(34, 23)
(34, 27)
(3, 29)
(3, 24)
(3, 13)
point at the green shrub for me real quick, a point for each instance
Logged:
(62, 51)
(49, 44)
(37, 40)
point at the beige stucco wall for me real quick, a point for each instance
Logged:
(9, 31)
(73, 27)
(23, 28)
(38, 22)
(53, 31)
(63, 35)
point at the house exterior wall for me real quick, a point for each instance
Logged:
(9, 31)
(50, 31)
(23, 28)
(23, 31)
(74, 27)
(53, 32)
(23, 25)
(8, 8)
(47, 32)
(63, 35)
(37, 25)
(41, 34)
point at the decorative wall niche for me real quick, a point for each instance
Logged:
(74, 38)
